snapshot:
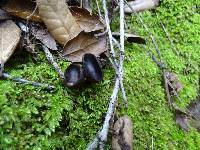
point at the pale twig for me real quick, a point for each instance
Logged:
(146, 28)
(122, 49)
(113, 54)
(171, 42)
(24, 81)
(101, 137)
(28, 17)
(50, 58)
(99, 11)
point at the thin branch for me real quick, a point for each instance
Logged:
(147, 30)
(101, 137)
(28, 17)
(24, 81)
(50, 58)
(122, 50)
(113, 54)
(168, 36)
(99, 11)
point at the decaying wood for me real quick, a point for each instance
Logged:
(122, 134)
(59, 20)
(9, 38)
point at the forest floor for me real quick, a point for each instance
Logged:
(31, 118)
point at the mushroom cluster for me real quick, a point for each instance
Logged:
(90, 70)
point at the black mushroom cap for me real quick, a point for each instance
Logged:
(74, 76)
(91, 68)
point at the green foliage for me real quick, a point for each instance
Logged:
(31, 118)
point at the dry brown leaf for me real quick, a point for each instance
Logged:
(9, 38)
(122, 134)
(22, 9)
(87, 21)
(59, 20)
(82, 44)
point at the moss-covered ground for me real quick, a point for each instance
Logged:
(31, 118)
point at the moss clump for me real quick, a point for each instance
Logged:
(32, 118)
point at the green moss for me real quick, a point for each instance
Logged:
(32, 118)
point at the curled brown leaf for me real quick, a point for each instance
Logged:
(82, 44)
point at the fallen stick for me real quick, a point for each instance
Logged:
(170, 40)
(50, 58)
(101, 137)
(24, 81)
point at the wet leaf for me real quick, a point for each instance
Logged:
(82, 44)
(87, 21)
(181, 120)
(122, 134)
(45, 37)
(59, 20)
(9, 38)
(22, 9)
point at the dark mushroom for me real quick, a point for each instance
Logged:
(91, 68)
(74, 76)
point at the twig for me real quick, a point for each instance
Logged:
(146, 28)
(50, 58)
(28, 17)
(122, 50)
(171, 42)
(113, 54)
(99, 11)
(24, 81)
(102, 135)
